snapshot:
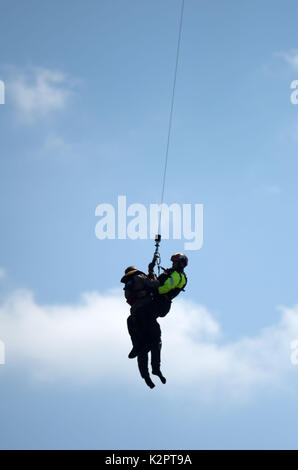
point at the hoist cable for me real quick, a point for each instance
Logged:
(171, 116)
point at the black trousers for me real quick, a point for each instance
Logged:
(162, 305)
(145, 334)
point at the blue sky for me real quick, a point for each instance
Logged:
(88, 88)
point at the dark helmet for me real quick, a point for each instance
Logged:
(180, 258)
(129, 269)
(128, 272)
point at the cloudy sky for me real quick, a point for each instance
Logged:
(87, 98)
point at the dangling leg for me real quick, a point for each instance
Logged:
(139, 328)
(143, 368)
(155, 353)
(132, 330)
(134, 335)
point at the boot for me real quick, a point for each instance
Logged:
(159, 374)
(149, 381)
(133, 353)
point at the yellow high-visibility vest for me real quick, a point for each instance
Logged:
(175, 280)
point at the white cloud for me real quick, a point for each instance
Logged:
(290, 57)
(269, 190)
(272, 189)
(55, 143)
(39, 92)
(89, 342)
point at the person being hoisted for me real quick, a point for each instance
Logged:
(142, 326)
(151, 297)
(171, 282)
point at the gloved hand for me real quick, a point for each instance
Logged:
(152, 275)
(152, 265)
